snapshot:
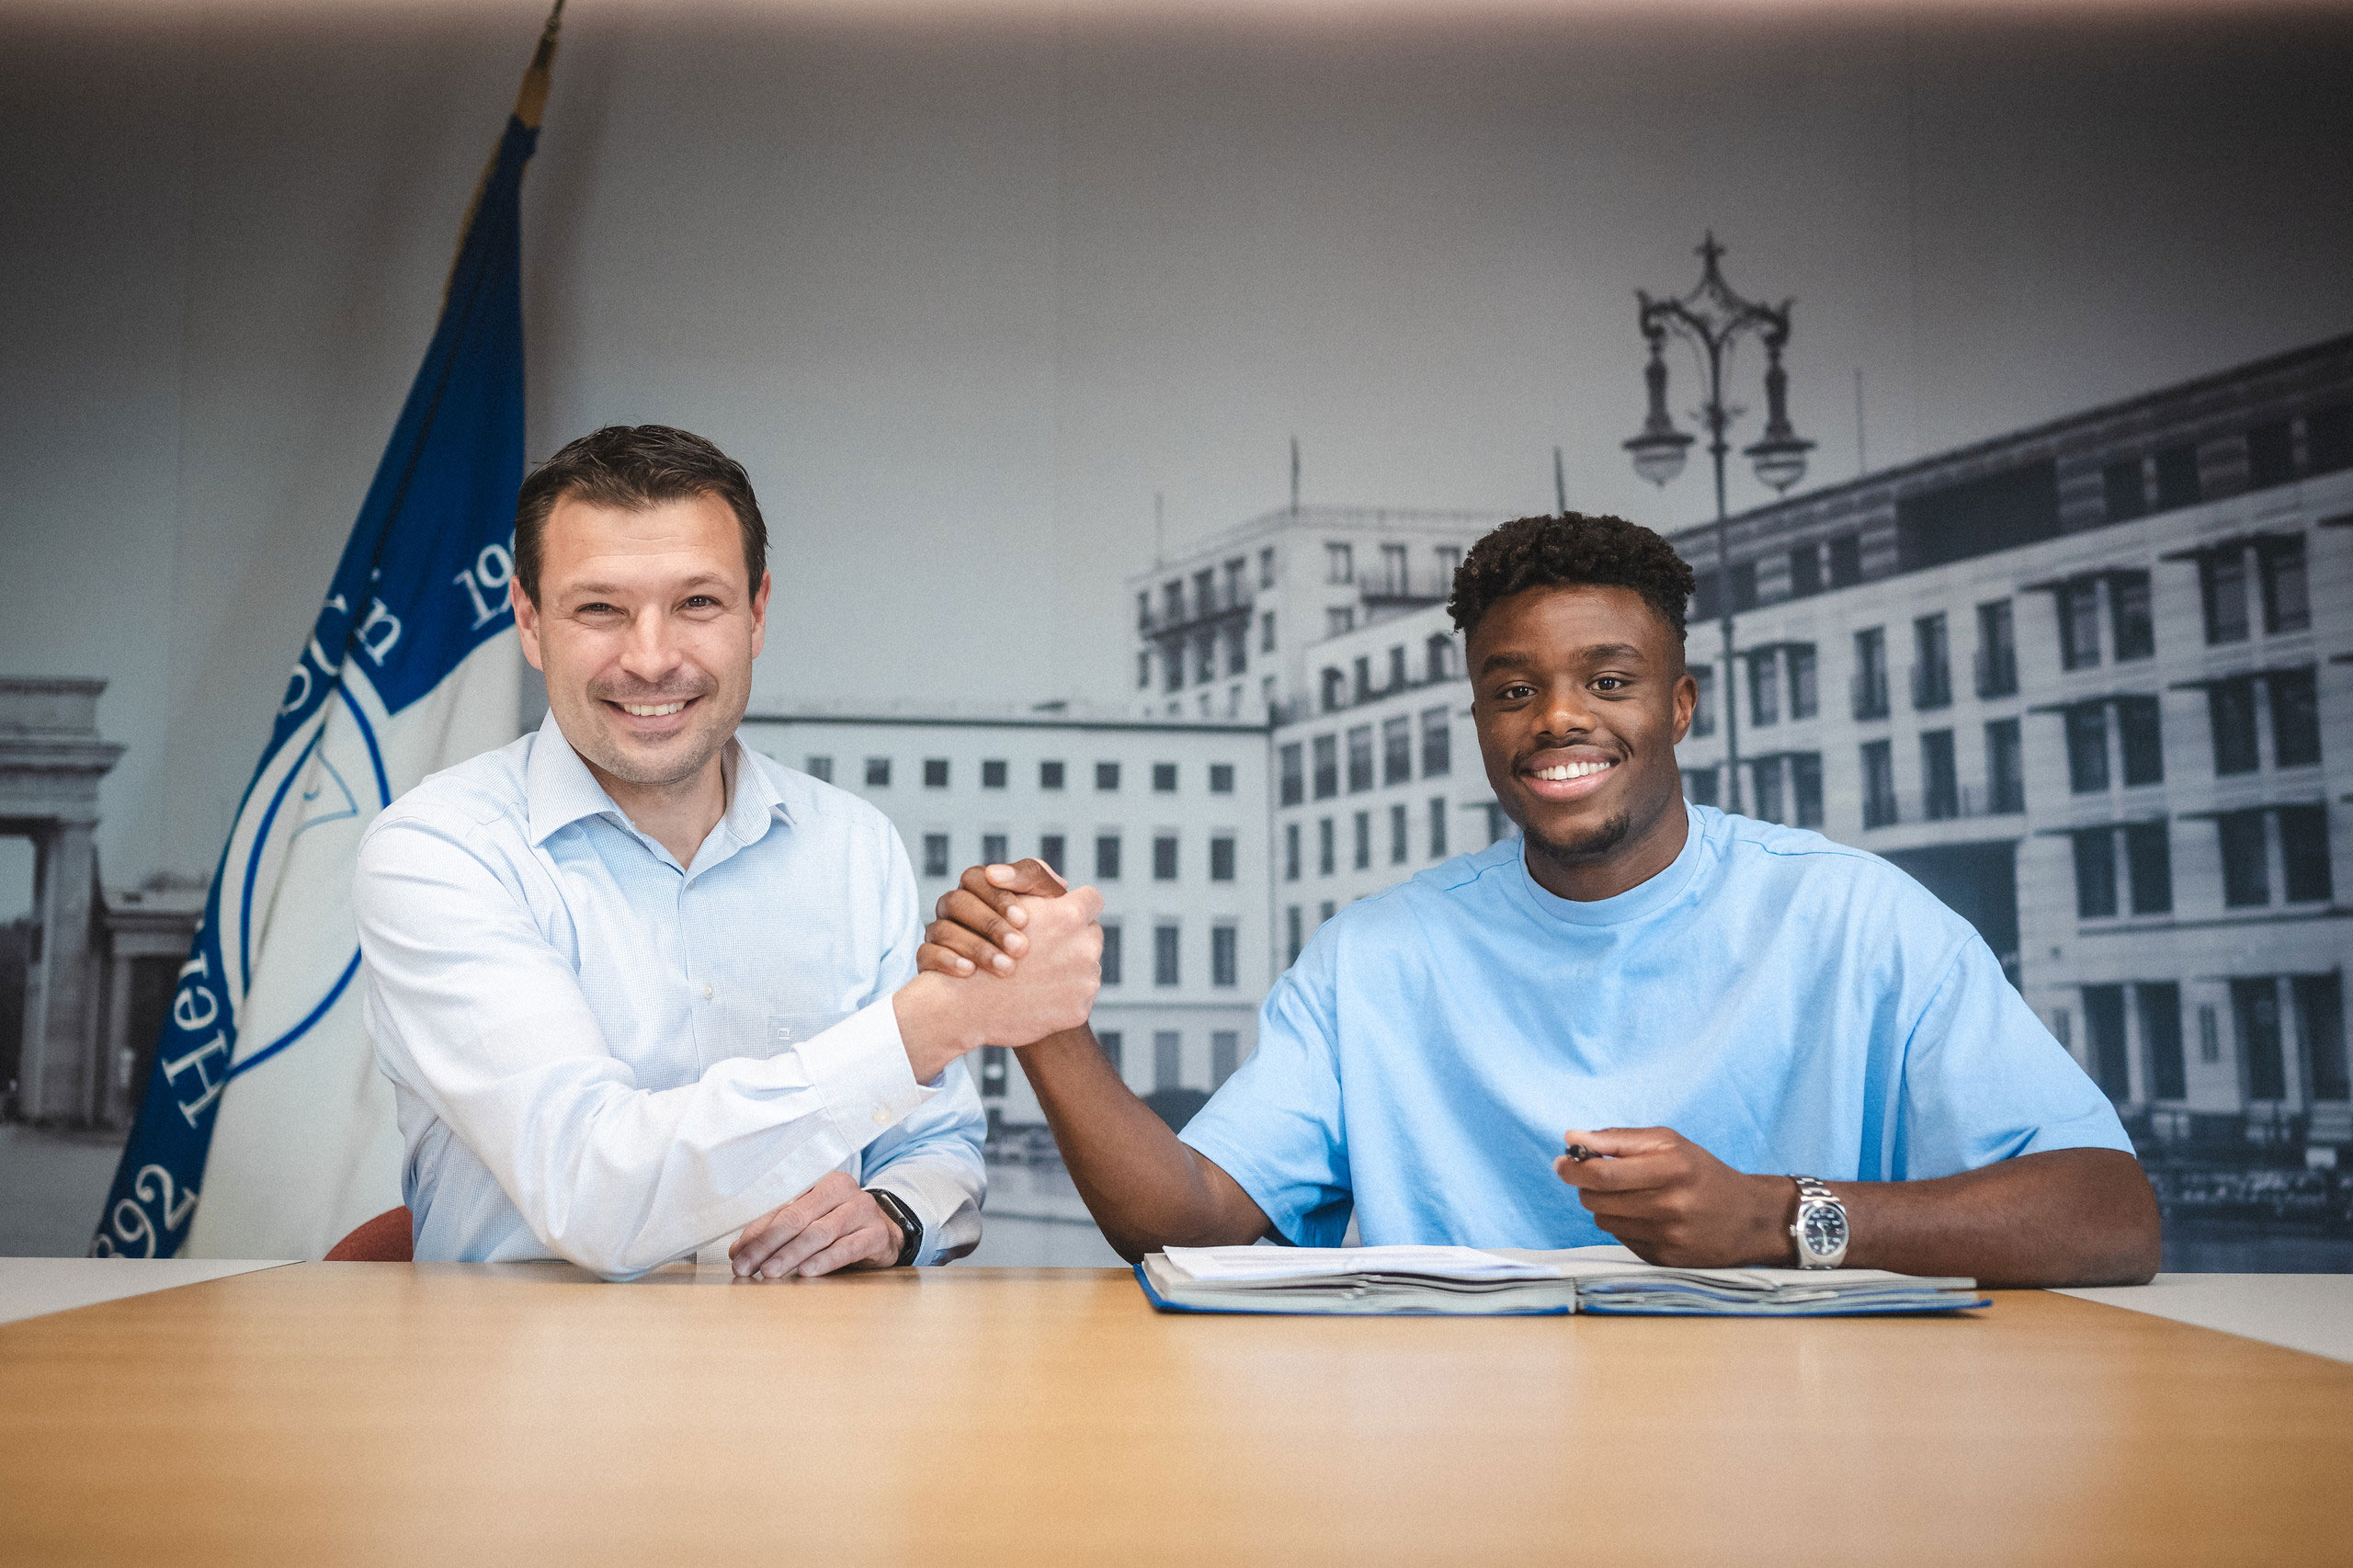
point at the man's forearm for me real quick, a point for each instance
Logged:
(1145, 1189)
(2063, 1217)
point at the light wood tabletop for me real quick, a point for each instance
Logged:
(525, 1414)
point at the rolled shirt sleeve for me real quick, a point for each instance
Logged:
(476, 1013)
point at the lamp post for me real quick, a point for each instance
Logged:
(1711, 318)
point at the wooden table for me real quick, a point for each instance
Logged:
(524, 1414)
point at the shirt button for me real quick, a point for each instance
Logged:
(706, 991)
(881, 1116)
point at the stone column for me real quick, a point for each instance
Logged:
(62, 1074)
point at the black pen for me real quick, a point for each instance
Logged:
(1580, 1154)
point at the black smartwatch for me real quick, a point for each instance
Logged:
(895, 1210)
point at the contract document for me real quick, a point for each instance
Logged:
(1376, 1281)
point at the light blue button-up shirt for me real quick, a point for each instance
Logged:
(601, 1055)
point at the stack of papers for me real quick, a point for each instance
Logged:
(1604, 1279)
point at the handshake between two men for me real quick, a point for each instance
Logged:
(955, 1005)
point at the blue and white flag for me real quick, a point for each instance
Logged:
(266, 1131)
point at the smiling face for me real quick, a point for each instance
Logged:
(1580, 698)
(647, 627)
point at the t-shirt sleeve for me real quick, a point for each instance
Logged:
(1275, 1127)
(1984, 1081)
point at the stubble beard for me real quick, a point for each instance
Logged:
(1595, 844)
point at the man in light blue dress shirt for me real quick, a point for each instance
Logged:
(1786, 1051)
(641, 992)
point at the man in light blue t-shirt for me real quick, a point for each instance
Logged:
(1786, 1050)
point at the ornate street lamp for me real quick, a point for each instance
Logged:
(1711, 318)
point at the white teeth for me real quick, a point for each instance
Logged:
(1563, 772)
(656, 711)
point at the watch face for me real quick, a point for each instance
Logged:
(1824, 1227)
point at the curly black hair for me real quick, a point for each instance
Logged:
(1571, 548)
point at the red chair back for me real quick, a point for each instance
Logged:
(390, 1237)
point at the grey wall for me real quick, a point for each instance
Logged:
(965, 286)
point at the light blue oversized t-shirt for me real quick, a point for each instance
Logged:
(1794, 1006)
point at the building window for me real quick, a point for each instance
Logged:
(1997, 650)
(1703, 702)
(878, 773)
(1144, 669)
(2295, 718)
(1699, 786)
(993, 849)
(1221, 778)
(1334, 690)
(1223, 970)
(2005, 767)
(1765, 790)
(1398, 834)
(2256, 1004)
(1225, 1054)
(1932, 665)
(2079, 623)
(2088, 747)
(2328, 439)
(2177, 478)
(1744, 586)
(2148, 866)
(1172, 664)
(1051, 850)
(1205, 656)
(1111, 952)
(2209, 1034)
(1802, 693)
(2320, 1033)
(1396, 668)
(2304, 854)
(2095, 874)
(1327, 766)
(935, 773)
(2124, 490)
(992, 1072)
(2221, 592)
(1437, 742)
(1107, 777)
(1397, 750)
(1806, 571)
(2270, 455)
(1266, 631)
(1163, 778)
(1167, 1059)
(1221, 857)
(2159, 1003)
(2286, 605)
(1107, 857)
(1870, 672)
(1941, 801)
(1327, 840)
(992, 775)
(1765, 687)
(1164, 955)
(1111, 1041)
(2247, 874)
(1293, 773)
(1437, 827)
(1498, 824)
(1705, 596)
(1439, 658)
(1359, 758)
(2230, 708)
(1267, 567)
(1339, 620)
(2131, 625)
(1290, 851)
(1050, 776)
(1879, 784)
(1363, 668)
(935, 854)
(820, 768)
(1291, 939)
(1845, 561)
(1363, 835)
(1338, 562)
(2104, 1032)
(1164, 859)
(2140, 738)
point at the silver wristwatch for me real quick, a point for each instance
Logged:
(1820, 1228)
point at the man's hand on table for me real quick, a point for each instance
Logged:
(957, 1003)
(1675, 1203)
(834, 1224)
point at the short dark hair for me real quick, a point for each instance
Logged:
(635, 466)
(1573, 548)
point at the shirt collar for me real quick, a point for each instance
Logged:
(559, 790)
(1644, 898)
